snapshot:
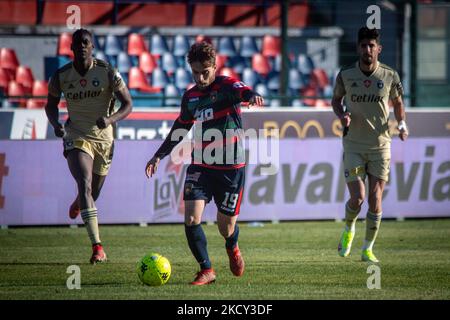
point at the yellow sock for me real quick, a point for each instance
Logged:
(350, 217)
(89, 217)
(373, 221)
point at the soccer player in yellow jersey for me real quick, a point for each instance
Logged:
(367, 87)
(89, 87)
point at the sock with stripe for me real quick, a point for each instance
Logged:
(89, 217)
(373, 221)
(350, 217)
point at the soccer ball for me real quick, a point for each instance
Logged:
(153, 269)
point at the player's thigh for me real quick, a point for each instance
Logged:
(103, 155)
(379, 165)
(80, 165)
(228, 190)
(197, 192)
(354, 166)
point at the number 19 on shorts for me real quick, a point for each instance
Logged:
(230, 200)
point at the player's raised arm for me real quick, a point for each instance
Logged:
(179, 130)
(51, 108)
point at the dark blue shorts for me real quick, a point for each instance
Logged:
(225, 186)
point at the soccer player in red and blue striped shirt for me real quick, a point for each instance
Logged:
(217, 169)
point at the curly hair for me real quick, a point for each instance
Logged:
(202, 52)
(366, 33)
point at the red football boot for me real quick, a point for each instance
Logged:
(98, 254)
(205, 276)
(237, 263)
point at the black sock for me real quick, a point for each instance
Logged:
(197, 243)
(232, 240)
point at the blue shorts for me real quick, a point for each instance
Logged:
(225, 186)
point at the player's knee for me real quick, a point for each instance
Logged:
(190, 220)
(226, 230)
(356, 201)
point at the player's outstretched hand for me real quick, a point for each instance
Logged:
(59, 131)
(151, 167)
(256, 100)
(345, 119)
(103, 122)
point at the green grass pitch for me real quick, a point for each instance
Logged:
(289, 260)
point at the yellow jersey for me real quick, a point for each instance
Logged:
(366, 97)
(88, 98)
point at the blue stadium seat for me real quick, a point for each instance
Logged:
(171, 95)
(180, 45)
(262, 89)
(248, 47)
(305, 64)
(297, 103)
(168, 63)
(226, 47)
(123, 62)
(158, 44)
(96, 43)
(182, 78)
(159, 78)
(273, 80)
(275, 103)
(112, 45)
(295, 79)
(237, 63)
(250, 77)
(101, 56)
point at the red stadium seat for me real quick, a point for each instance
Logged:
(64, 43)
(4, 79)
(319, 78)
(220, 61)
(24, 76)
(8, 59)
(17, 91)
(309, 93)
(229, 73)
(136, 44)
(260, 64)
(147, 62)
(40, 88)
(138, 80)
(271, 46)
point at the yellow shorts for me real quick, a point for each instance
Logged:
(100, 152)
(357, 165)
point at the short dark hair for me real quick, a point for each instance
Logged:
(371, 34)
(80, 32)
(202, 52)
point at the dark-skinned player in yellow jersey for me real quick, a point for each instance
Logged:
(90, 87)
